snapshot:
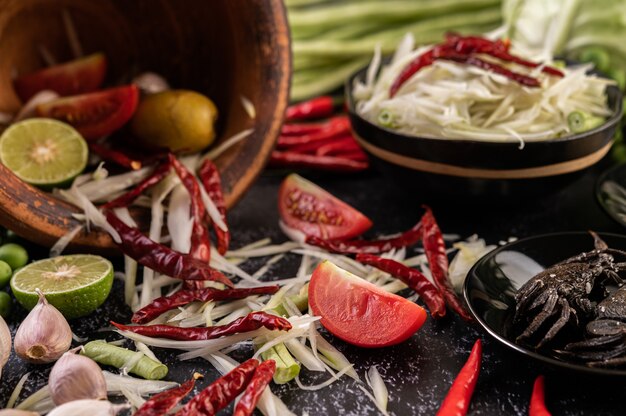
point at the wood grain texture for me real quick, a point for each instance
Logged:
(223, 48)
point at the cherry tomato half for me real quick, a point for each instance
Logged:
(75, 77)
(96, 114)
(310, 209)
(360, 312)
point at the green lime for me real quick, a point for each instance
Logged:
(14, 255)
(43, 152)
(5, 274)
(76, 284)
(5, 304)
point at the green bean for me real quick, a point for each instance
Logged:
(301, 300)
(108, 354)
(286, 367)
(579, 121)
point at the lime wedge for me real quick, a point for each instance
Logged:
(76, 284)
(43, 152)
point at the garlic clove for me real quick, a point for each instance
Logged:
(44, 335)
(15, 412)
(5, 344)
(88, 407)
(76, 377)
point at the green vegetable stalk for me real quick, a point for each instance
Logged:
(108, 354)
(286, 367)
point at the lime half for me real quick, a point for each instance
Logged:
(76, 284)
(43, 152)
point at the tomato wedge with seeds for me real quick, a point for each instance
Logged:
(96, 114)
(74, 77)
(360, 312)
(310, 209)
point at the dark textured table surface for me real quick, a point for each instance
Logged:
(418, 372)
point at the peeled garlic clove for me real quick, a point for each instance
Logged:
(5, 344)
(15, 412)
(76, 377)
(88, 407)
(44, 335)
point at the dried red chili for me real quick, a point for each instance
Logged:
(412, 278)
(334, 127)
(114, 156)
(221, 392)
(435, 249)
(261, 378)
(495, 68)
(459, 396)
(407, 238)
(250, 322)
(159, 173)
(160, 258)
(329, 163)
(200, 243)
(160, 404)
(317, 107)
(210, 177)
(183, 297)
(537, 400)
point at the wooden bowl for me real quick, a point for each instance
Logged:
(222, 48)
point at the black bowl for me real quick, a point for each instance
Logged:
(611, 193)
(492, 282)
(475, 168)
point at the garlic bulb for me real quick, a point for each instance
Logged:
(44, 335)
(88, 407)
(76, 377)
(15, 412)
(5, 344)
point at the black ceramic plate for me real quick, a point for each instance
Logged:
(493, 281)
(611, 193)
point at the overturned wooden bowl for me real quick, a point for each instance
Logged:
(222, 48)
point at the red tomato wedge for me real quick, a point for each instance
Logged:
(310, 209)
(360, 312)
(75, 77)
(96, 114)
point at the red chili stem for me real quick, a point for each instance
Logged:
(184, 297)
(159, 173)
(160, 258)
(329, 163)
(221, 392)
(334, 127)
(435, 249)
(250, 322)
(412, 278)
(537, 400)
(459, 396)
(340, 145)
(200, 243)
(114, 156)
(160, 404)
(317, 107)
(260, 380)
(300, 129)
(407, 238)
(210, 178)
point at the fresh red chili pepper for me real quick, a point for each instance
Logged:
(329, 163)
(250, 322)
(183, 297)
(334, 127)
(459, 396)
(221, 392)
(317, 107)
(495, 68)
(261, 378)
(210, 177)
(200, 243)
(359, 156)
(159, 173)
(412, 278)
(435, 249)
(311, 147)
(407, 238)
(300, 129)
(160, 258)
(537, 400)
(345, 144)
(114, 156)
(160, 404)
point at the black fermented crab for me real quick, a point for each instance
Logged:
(566, 291)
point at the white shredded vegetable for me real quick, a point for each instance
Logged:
(17, 391)
(470, 251)
(227, 144)
(377, 384)
(62, 242)
(249, 107)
